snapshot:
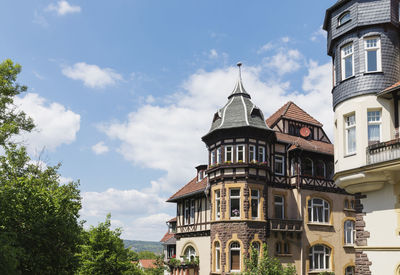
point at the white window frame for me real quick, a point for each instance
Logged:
(192, 211)
(257, 198)
(346, 51)
(217, 256)
(243, 151)
(349, 232)
(281, 204)
(252, 153)
(200, 175)
(230, 256)
(375, 122)
(213, 157)
(186, 212)
(261, 154)
(228, 149)
(190, 252)
(340, 23)
(230, 203)
(217, 204)
(377, 47)
(348, 127)
(279, 159)
(313, 216)
(325, 253)
(219, 155)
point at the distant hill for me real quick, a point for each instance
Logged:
(138, 246)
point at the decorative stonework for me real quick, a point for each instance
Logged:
(362, 262)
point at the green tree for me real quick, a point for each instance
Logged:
(159, 267)
(103, 252)
(265, 265)
(147, 255)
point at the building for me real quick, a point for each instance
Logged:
(267, 181)
(363, 41)
(169, 241)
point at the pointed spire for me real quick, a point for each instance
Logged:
(239, 89)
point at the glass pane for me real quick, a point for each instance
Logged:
(348, 65)
(235, 260)
(278, 199)
(278, 211)
(373, 132)
(235, 192)
(254, 208)
(235, 207)
(351, 140)
(254, 193)
(372, 61)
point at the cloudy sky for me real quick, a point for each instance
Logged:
(122, 91)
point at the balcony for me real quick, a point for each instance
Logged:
(383, 151)
(285, 225)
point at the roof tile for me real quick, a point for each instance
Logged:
(191, 187)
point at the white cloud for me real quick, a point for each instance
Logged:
(65, 180)
(39, 19)
(62, 8)
(285, 61)
(213, 54)
(55, 125)
(92, 75)
(100, 148)
(285, 39)
(319, 34)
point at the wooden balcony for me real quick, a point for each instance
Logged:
(383, 151)
(285, 225)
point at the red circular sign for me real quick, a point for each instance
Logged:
(305, 132)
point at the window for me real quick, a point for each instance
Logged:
(350, 127)
(200, 175)
(347, 61)
(254, 203)
(170, 251)
(279, 165)
(279, 207)
(252, 153)
(329, 170)
(228, 154)
(217, 204)
(320, 257)
(235, 203)
(219, 155)
(261, 154)
(192, 210)
(278, 248)
(307, 167)
(217, 257)
(349, 232)
(239, 153)
(213, 159)
(320, 169)
(374, 127)
(318, 210)
(349, 270)
(256, 246)
(346, 204)
(235, 256)
(187, 211)
(372, 54)
(286, 249)
(293, 170)
(344, 18)
(352, 204)
(190, 253)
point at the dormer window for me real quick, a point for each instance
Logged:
(217, 116)
(200, 176)
(344, 18)
(256, 112)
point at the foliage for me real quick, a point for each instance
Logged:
(38, 216)
(147, 255)
(103, 252)
(174, 262)
(265, 265)
(326, 273)
(159, 267)
(137, 246)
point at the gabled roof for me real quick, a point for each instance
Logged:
(167, 237)
(191, 188)
(293, 112)
(307, 145)
(172, 220)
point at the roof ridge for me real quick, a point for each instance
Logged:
(301, 109)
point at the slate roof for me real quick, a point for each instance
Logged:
(239, 111)
(191, 188)
(307, 145)
(293, 112)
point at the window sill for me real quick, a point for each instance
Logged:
(349, 209)
(348, 246)
(375, 72)
(319, 271)
(320, 224)
(350, 77)
(350, 155)
(283, 255)
(343, 24)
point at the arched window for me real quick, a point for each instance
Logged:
(235, 257)
(256, 246)
(307, 167)
(345, 17)
(320, 170)
(190, 253)
(318, 210)
(349, 270)
(217, 257)
(349, 232)
(320, 257)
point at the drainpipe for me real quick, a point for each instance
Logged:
(396, 113)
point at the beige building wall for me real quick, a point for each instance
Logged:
(203, 250)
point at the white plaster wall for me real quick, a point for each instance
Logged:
(381, 218)
(359, 105)
(202, 245)
(383, 262)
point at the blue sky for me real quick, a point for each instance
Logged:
(122, 91)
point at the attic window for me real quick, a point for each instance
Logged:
(344, 18)
(216, 116)
(256, 112)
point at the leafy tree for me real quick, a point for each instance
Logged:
(103, 252)
(147, 255)
(159, 267)
(265, 265)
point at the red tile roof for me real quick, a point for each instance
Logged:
(192, 187)
(307, 145)
(390, 88)
(172, 220)
(147, 263)
(293, 112)
(167, 236)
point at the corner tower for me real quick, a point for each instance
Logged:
(363, 41)
(239, 144)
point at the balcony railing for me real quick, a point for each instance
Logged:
(286, 225)
(383, 151)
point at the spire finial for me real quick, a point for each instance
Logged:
(239, 64)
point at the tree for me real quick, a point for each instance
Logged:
(103, 252)
(265, 265)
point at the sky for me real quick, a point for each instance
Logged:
(122, 91)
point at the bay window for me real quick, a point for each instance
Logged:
(213, 158)
(372, 54)
(235, 203)
(217, 204)
(228, 154)
(347, 61)
(252, 153)
(374, 127)
(219, 156)
(350, 129)
(261, 154)
(254, 204)
(240, 151)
